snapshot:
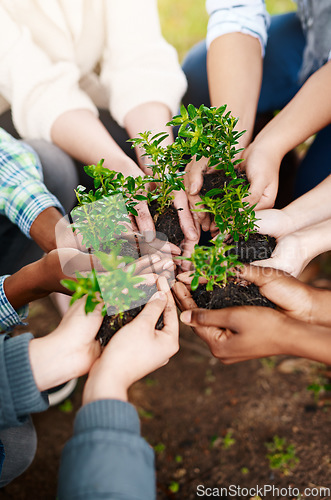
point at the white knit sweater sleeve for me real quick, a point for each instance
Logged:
(38, 90)
(244, 16)
(139, 66)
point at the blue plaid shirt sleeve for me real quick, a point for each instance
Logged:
(23, 195)
(8, 316)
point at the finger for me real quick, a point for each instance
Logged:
(145, 222)
(203, 217)
(194, 178)
(187, 278)
(152, 310)
(170, 317)
(261, 275)
(183, 296)
(232, 318)
(187, 224)
(145, 263)
(158, 245)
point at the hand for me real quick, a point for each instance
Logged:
(69, 351)
(296, 299)
(290, 255)
(189, 224)
(193, 181)
(262, 168)
(273, 222)
(136, 350)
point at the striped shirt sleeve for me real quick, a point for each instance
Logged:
(246, 16)
(8, 316)
(23, 195)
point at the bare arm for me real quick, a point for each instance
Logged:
(234, 67)
(82, 135)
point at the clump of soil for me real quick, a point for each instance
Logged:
(167, 223)
(112, 323)
(217, 179)
(232, 295)
(257, 247)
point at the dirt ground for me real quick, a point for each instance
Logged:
(208, 423)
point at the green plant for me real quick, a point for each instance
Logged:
(281, 455)
(209, 133)
(166, 165)
(118, 286)
(231, 213)
(214, 263)
(318, 389)
(228, 440)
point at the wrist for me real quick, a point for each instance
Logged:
(25, 285)
(104, 382)
(42, 230)
(50, 361)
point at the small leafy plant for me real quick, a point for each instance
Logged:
(167, 164)
(213, 263)
(281, 455)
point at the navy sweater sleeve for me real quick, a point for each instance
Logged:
(106, 457)
(19, 395)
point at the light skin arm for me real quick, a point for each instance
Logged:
(69, 351)
(307, 113)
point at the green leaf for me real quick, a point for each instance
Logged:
(195, 283)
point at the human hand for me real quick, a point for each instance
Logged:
(136, 350)
(193, 180)
(296, 299)
(261, 164)
(69, 351)
(189, 225)
(273, 222)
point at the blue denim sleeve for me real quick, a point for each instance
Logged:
(107, 457)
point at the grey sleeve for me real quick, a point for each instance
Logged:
(19, 395)
(107, 458)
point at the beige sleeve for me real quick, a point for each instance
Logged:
(139, 66)
(37, 89)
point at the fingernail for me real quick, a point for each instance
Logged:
(194, 188)
(168, 264)
(186, 316)
(155, 258)
(159, 295)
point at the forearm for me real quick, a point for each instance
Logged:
(151, 116)
(234, 66)
(307, 113)
(43, 229)
(24, 286)
(81, 134)
(312, 241)
(309, 341)
(311, 208)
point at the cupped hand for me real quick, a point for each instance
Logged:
(274, 222)
(290, 255)
(69, 351)
(237, 334)
(262, 170)
(137, 349)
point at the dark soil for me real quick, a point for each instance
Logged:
(230, 296)
(217, 179)
(167, 224)
(112, 323)
(257, 247)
